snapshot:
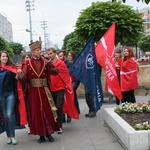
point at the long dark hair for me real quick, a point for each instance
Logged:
(23, 57)
(73, 54)
(9, 62)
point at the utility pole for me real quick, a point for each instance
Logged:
(43, 26)
(29, 6)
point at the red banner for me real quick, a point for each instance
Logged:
(104, 51)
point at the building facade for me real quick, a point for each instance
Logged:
(6, 29)
(146, 17)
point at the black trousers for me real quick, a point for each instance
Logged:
(128, 96)
(117, 101)
(58, 97)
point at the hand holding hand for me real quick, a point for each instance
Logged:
(19, 73)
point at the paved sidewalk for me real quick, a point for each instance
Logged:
(82, 134)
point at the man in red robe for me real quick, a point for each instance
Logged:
(41, 108)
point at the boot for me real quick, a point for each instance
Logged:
(50, 138)
(41, 139)
(68, 119)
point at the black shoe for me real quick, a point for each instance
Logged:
(60, 131)
(50, 138)
(68, 119)
(41, 139)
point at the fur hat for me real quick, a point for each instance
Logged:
(36, 44)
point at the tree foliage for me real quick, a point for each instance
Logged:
(3, 44)
(146, 1)
(71, 43)
(96, 20)
(74, 45)
(10, 52)
(17, 47)
(11, 47)
(144, 43)
(67, 37)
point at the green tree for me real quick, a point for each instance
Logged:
(144, 43)
(10, 52)
(65, 41)
(146, 1)
(74, 44)
(3, 44)
(96, 20)
(71, 43)
(16, 47)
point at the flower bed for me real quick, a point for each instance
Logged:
(137, 115)
(132, 108)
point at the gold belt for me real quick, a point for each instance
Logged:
(38, 82)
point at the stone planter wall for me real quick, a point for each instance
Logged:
(129, 138)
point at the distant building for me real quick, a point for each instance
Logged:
(6, 29)
(146, 18)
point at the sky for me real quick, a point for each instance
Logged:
(60, 17)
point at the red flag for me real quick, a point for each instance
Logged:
(104, 51)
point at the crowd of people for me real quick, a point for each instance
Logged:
(47, 94)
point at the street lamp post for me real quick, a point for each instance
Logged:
(28, 5)
(44, 25)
